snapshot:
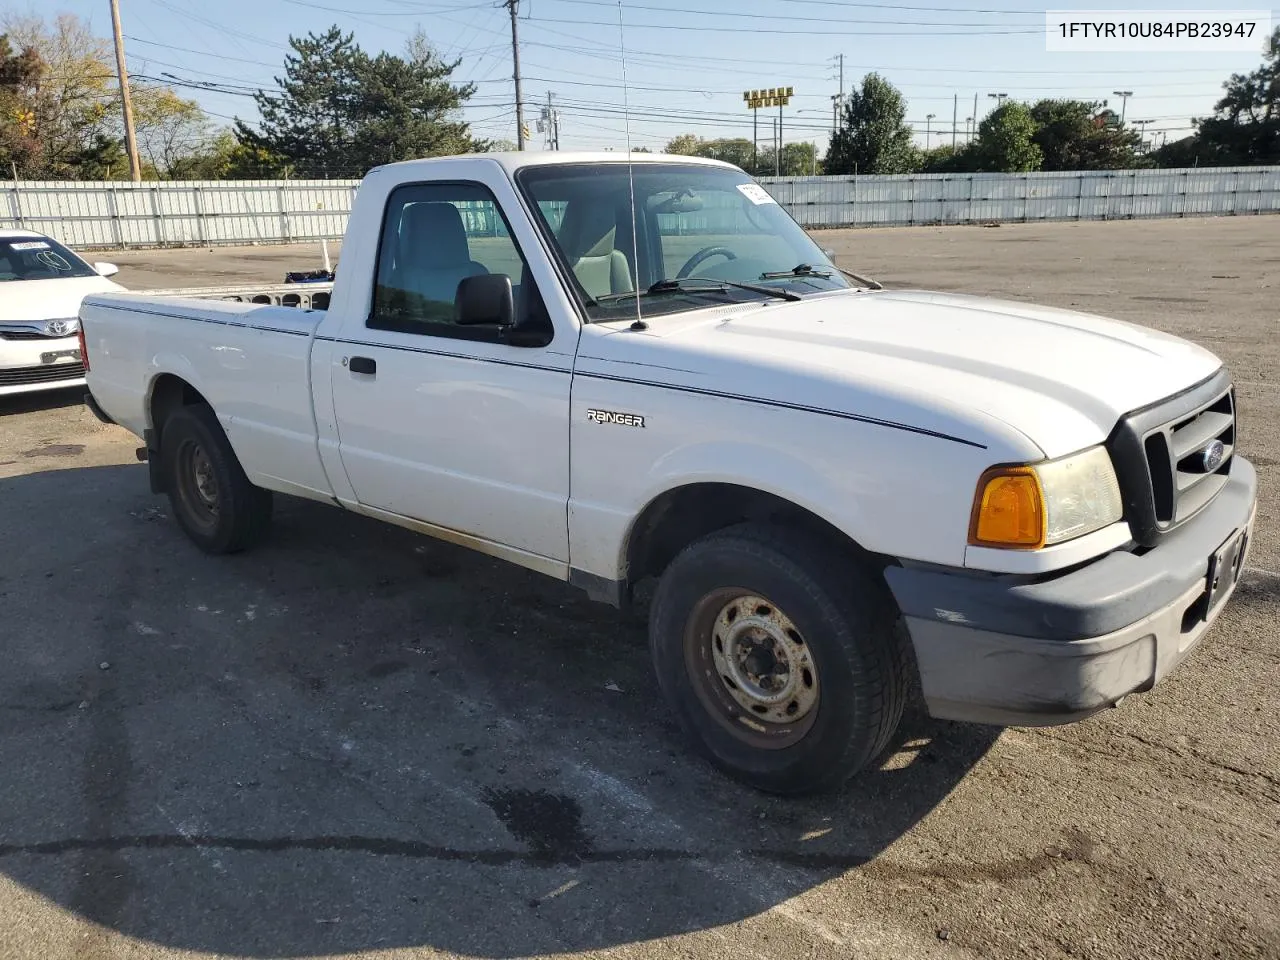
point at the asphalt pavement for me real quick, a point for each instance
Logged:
(358, 741)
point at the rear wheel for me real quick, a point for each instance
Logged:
(779, 658)
(212, 499)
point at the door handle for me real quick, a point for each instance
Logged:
(363, 365)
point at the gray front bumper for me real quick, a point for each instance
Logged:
(1003, 650)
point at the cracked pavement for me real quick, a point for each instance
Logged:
(356, 741)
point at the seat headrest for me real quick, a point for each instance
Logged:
(432, 233)
(588, 229)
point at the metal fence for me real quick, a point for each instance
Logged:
(114, 215)
(1016, 197)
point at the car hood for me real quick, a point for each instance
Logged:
(968, 367)
(48, 299)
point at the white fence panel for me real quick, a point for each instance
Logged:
(279, 211)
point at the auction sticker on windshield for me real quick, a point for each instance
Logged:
(755, 193)
(31, 245)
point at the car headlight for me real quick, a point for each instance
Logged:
(1027, 507)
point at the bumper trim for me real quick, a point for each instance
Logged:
(1099, 598)
(973, 670)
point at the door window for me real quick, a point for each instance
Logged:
(434, 235)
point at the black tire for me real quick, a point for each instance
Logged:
(212, 499)
(831, 616)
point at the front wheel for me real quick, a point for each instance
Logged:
(212, 499)
(781, 662)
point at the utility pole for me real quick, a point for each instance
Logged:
(777, 157)
(130, 140)
(551, 123)
(838, 101)
(512, 5)
(1124, 96)
(955, 118)
(975, 113)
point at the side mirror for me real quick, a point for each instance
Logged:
(106, 269)
(829, 253)
(486, 299)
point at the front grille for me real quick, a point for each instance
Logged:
(45, 373)
(1159, 456)
(25, 335)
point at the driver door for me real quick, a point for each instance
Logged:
(446, 424)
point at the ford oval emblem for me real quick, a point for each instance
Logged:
(1211, 456)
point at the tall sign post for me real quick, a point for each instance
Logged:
(773, 97)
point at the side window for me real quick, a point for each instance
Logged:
(433, 236)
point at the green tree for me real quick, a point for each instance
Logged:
(73, 112)
(171, 131)
(946, 159)
(873, 136)
(20, 75)
(1245, 127)
(797, 160)
(739, 151)
(1071, 136)
(685, 145)
(1006, 141)
(338, 111)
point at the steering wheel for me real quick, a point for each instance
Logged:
(705, 253)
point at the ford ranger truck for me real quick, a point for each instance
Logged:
(612, 369)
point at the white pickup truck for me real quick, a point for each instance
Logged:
(608, 369)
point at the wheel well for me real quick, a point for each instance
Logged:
(678, 517)
(168, 394)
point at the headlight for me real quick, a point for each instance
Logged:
(1027, 507)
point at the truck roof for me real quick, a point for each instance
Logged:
(515, 160)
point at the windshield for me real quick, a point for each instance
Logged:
(39, 258)
(713, 229)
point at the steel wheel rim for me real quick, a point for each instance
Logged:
(752, 668)
(197, 484)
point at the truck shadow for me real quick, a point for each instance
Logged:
(356, 738)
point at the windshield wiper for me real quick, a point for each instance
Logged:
(805, 270)
(710, 285)
(802, 270)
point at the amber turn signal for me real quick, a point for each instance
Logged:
(1008, 509)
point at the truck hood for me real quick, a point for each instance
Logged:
(48, 299)
(968, 367)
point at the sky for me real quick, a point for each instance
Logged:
(687, 62)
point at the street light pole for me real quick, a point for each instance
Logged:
(1124, 96)
(927, 121)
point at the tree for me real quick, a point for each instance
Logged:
(948, 159)
(797, 160)
(170, 130)
(1072, 135)
(70, 108)
(1006, 140)
(339, 111)
(1245, 127)
(685, 145)
(873, 136)
(20, 75)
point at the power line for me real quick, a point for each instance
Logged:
(774, 18)
(720, 28)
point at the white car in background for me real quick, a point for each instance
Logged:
(41, 286)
